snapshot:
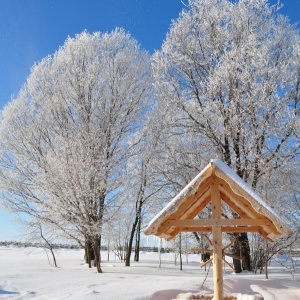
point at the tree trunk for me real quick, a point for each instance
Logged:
(180, 250)
(242, 249)
(53, 256)
(245, 252)
(267, 259)
(129, 248)
(197, 238)
(108, 245)
(96, 246)
(137, 241)
(49, 246)
(138, 208)
(86, 255)
(89, 253)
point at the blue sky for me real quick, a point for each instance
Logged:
(32, 29)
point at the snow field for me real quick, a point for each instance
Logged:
(26, 274)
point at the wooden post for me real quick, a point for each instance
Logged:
(217, 243)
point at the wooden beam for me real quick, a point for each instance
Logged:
(208, 239)
(186, 205)
(189, 202)
(194, 229)
(231, 243)
(232, 255)
(217, 242)
(264, 235)
(224, 229)
(205, 263)
(228, 264)
(197, 208)
(203, 250)
(218, 222)
(191, 215)
(244, 206)
(243, 214)
(241, 229)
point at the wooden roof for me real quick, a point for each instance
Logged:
(255, 215)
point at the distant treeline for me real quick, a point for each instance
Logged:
(70, 246)
(290, 252)
(28, 244)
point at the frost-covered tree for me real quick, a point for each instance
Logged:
(142, 189)
(66, 138)
(228, 74)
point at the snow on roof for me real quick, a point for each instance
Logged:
(219, 169)
(177, 200)
(259, 204)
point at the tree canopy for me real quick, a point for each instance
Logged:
(229, 72)
(66, 138)
(227, 81)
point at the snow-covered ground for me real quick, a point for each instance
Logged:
(25, 274)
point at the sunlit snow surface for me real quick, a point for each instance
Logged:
(26, 274)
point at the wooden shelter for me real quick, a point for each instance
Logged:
(216, 184)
